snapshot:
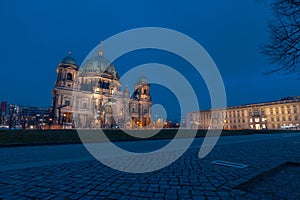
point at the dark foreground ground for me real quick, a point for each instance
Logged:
(70, 172)
(282, 183)
(52, 137)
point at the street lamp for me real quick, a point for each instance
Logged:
(50, 122)
(64, 120)
(59, 113)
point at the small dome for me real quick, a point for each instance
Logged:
(69, 60)
(143, 79)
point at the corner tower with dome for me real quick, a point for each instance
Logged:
(90, 96)
(140, 103)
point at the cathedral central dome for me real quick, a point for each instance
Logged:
(98, 65)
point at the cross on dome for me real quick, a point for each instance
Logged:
(100, 53)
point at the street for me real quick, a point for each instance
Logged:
(69, 171)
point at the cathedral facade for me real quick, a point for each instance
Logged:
(90, 96)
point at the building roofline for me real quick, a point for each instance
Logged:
(281, 101)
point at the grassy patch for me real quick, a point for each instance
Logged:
(40, 137)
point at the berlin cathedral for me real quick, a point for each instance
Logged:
(90, 96)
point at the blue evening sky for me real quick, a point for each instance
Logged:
(36, 35)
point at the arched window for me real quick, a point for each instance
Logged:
(84, 105)
(59, 74)
(69, 77)
(67, 102)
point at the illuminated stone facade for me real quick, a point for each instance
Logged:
(90, 96)
(282, 114)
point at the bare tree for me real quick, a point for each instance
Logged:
(283, 48)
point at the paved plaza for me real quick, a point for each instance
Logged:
(70, 172)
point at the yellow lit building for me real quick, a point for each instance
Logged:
(282, 114)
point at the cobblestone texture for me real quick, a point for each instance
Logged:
(187, 178)
(283, 183)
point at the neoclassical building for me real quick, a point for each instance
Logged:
(281, 114)
(90, 96)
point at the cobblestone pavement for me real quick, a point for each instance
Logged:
(187, 178)
(281, 184)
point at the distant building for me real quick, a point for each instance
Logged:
(33, 117)
(3, 114)
(23, 117)
(183, 122)
(28, 116)
(89, 96)
(4, 108)
(282, 114)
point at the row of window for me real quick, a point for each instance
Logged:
(235, 121)
(258, 126)
(84, 104)
(133, 110)
(221, 115)
(234, 115)
(256, 112)
(283, 112)
(289, 118)
(256, 120)
(283, 107)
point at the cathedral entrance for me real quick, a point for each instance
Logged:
(67, 120)
(111, 115)
(67, 117)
